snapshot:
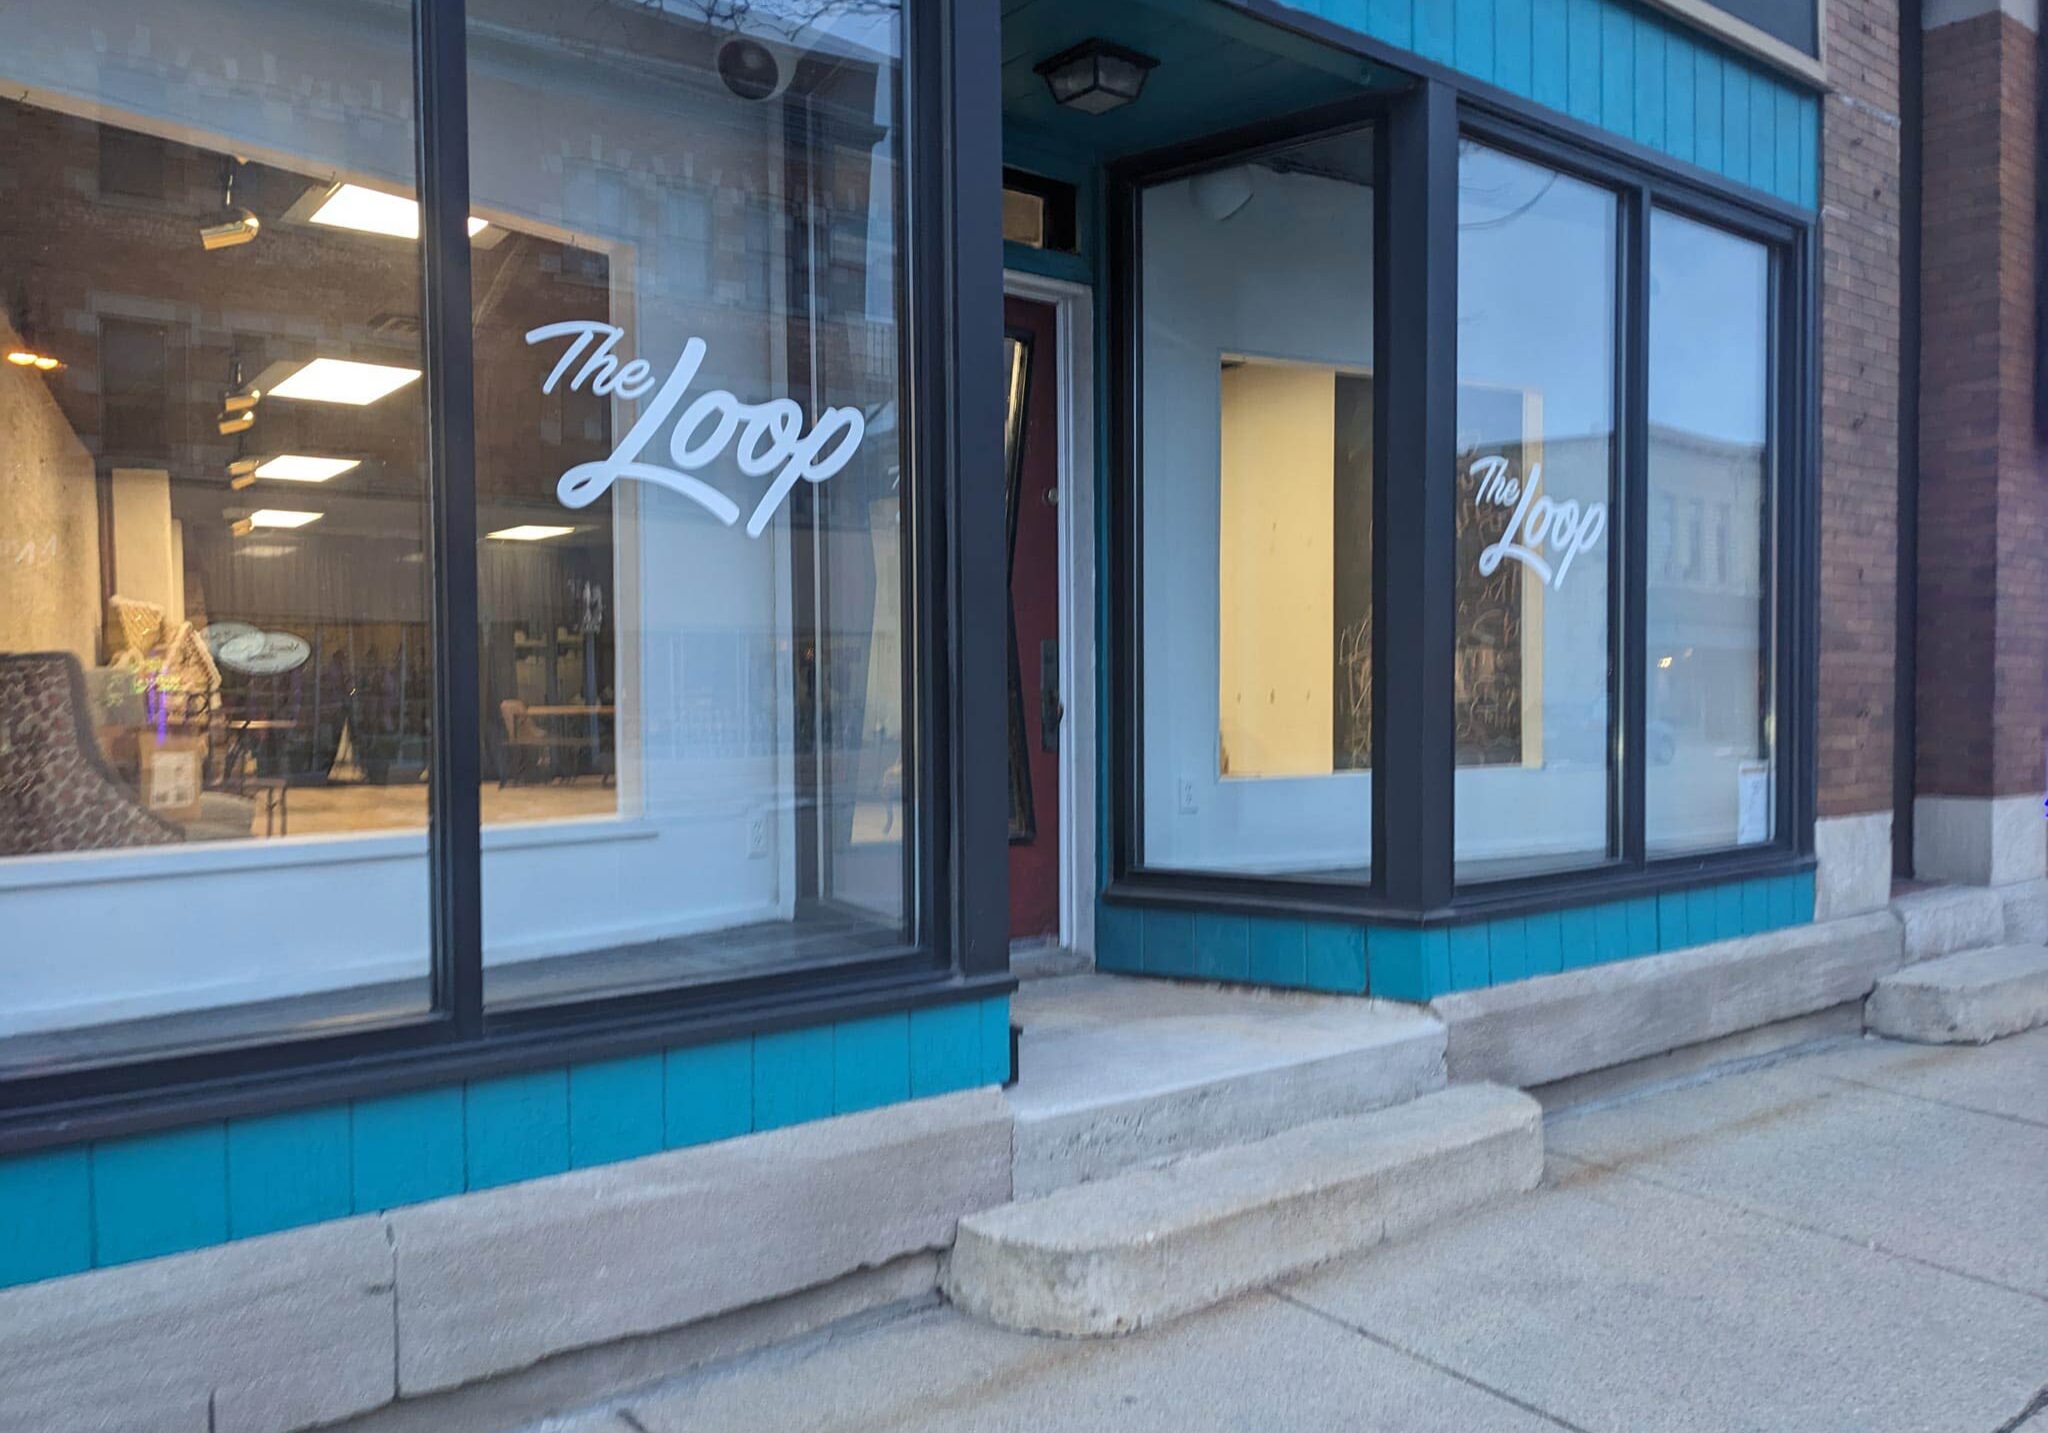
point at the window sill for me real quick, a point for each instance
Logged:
(1324, 901)
(85, 868)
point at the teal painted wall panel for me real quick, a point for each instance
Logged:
(1434, 30)
(288, 1169)
(1709, 95)
(1514, 46)
(871, 1062)
(1582, 60)
(1702, 916)
(1470, 957)
(1679, 62)
(1391, 20)
(1735, 122)
(1169, 943)
(159, 1193)
(707, 1093)
(615, 1109)
(1618, 70)
(1580, 931)
(1545, 936)
(406, 1149)
(1473, 47)
(1610, 933)
(1222, 947)
(995, 1042)
(1641, 915)
(1509, 940)
(945, 1049)
(65, 1211)
(516, 1127)
(45, 1215)
(1649, 84)
(1336, 958)
(1672, 932)
(1119, 938)
(792, 1077)
(1549, 52)
(1279, 953)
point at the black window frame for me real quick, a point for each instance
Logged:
(1412, 880)
(952, 401)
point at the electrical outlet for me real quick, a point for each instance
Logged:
(1187, 796)
(757, 837)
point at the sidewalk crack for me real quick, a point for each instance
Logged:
(1868, 1246)
(2038, 1403)
(1427, 1362)
(1934, 1100)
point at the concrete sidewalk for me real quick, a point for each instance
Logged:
(1856, 1240)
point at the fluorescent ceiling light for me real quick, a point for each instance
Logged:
(341, 380)
(266, 549)
(282, 517)
(529, 532)
(298, 468)
(372, 211)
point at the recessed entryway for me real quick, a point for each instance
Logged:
(1049, 487)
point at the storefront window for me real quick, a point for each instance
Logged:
(1709, 746)
(1535, 527)
(1257, 409)
(691, 490)
(214, 651)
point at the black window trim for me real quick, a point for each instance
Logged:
(1411, 884)
(952, 402)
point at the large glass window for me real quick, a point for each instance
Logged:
(1710, 739)
(1535, 529)
(214, 656)
(690, 487)
(1256, 495)
(696, 730)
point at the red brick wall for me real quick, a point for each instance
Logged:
(1859, 405)
(1983, 590)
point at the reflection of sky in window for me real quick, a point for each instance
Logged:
(856, 29)
(1536, 288)
(1708, 295)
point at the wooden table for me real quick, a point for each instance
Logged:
(577, 709)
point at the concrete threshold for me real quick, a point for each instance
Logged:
(1116, 1073)
(1966, 999)
(1125, 1253)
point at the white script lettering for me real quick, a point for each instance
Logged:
(770, 436)
(1538, 529)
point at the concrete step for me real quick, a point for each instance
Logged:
(1964, 999)
(1941, 920)
(1125, 1253)
(1115, 1073)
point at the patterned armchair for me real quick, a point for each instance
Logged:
(57, 792)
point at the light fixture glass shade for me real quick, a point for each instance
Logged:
(342, 380)
(372, 211)
(1096, 76)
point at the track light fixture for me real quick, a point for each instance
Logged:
(238, 227)
(238, 405)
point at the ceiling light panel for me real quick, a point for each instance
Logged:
(342, 380)
(299, 468)
(372, 211)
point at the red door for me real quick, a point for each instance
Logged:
(1031, 458)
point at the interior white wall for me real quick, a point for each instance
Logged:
(317, 89)
(1288, 276)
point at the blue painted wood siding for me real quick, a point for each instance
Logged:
(116, 1200)
(1404, 963)
(1617, 65)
